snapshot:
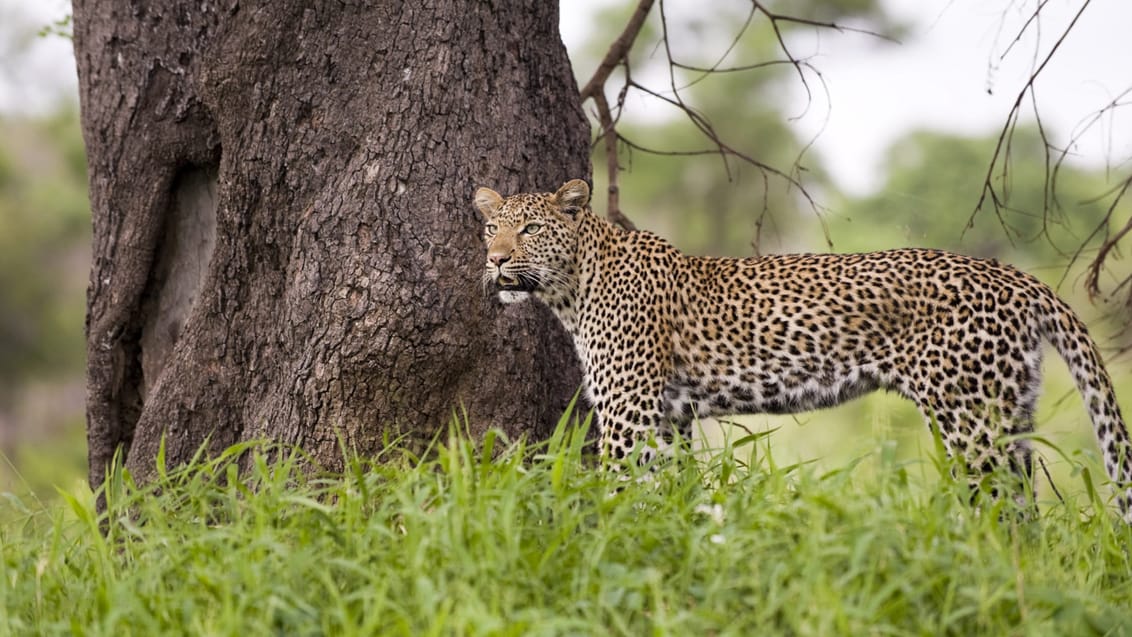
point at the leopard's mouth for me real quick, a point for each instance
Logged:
(514, 284)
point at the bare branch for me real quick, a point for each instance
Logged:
(609, 135)
(724, 149)
(998, 168)
(1093, 275)
(1100, 229)
(840, 28)
(619, 50)
(701, 123)
(713, 68)
(761, 221)
(1007, 132)
(698, 120)
(774, 18)
(735, 69)
(618, 55)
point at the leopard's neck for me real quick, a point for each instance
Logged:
(569, 301)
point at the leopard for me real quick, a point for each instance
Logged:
(665, 338)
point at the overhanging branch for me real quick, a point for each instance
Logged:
(611, 140)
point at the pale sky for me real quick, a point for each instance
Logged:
(35, 71)
(877, 91)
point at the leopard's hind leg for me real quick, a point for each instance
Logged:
(984, 435)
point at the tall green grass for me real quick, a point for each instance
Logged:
(505, 538)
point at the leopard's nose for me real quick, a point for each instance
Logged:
(498, 258)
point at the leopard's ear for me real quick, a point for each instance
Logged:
(572, 196)
(488, 202)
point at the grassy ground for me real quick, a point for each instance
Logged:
(534, 542)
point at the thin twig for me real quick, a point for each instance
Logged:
(713, 68)
(1006, 134)
(734, 69)
(1093, 274)
(1022, 31)
(1119, 189)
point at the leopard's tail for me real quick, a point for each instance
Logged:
(1061, 326)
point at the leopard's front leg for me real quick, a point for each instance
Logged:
(632, 426)
(630, 416)
(627, 361)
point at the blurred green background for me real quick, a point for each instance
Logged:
(44, 259)
(704, 204)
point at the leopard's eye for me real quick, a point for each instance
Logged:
(532, 228)
(491, 228)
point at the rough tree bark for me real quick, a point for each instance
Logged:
(284, 245)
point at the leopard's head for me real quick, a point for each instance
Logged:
(532, 240)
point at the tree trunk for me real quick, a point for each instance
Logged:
(284, 242)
